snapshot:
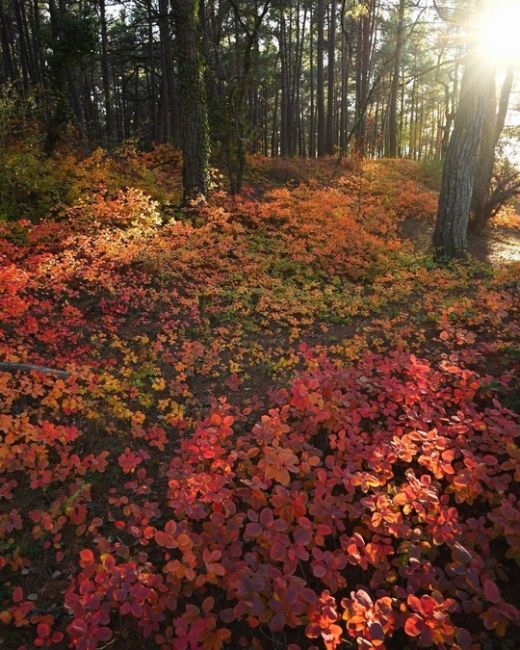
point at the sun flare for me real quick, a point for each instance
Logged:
(498, 32)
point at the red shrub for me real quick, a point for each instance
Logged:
(356, 480)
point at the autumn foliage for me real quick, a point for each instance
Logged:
(278, 425)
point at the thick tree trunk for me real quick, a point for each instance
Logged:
(450, 237)
(491, 130)
(486, 158)
(194, 118)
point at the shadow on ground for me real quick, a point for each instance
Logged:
(498, 246)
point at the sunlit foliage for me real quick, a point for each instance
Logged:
(278, 426)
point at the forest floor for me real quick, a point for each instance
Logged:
(245, 366)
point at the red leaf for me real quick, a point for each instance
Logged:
(414, 625)
(491, 591)
(302, 536)
(464, 638)
(43, 630)
(17, 594)
(86, 557)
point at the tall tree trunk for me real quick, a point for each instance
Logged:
(36, 38)
(330, 81)
(166, 71)
(298, 113)
(274, 134)
(285, 73)
(22, 44)
(8, 60)
(394, 88)
(486, 157)
(346, 60)
(60, 113)
(312, 127)
(450, 236)
(194, 118)
(320, 103)
(491, 130)
(364, 45)
(153, 87)
(109, 122)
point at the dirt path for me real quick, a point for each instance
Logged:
(499, 246)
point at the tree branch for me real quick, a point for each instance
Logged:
(30, 367)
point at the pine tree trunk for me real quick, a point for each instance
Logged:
(8, 62)
(285, 72)
(320, 103)
(450, 236)
(151, 64)
(346, 60)
(330, 82)
(486, 158)
(491, 131)
(312, 128)
(364, 45)
(394, 89)
(193, 109)
(166, 71)
(109, 128)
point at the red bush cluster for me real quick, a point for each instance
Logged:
(342, 513)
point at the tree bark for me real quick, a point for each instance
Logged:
(364, 45)
(109, 123)
(320, 103)
(346, 60)
(151, 64)
(394, 88)
(491, 131)
(330, 81)
(312, 127)
(194, 118)
(450, 236)
(166, 72)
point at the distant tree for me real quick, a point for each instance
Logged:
(365, 43)
(331, 131)
(393, 125)
(289, 78)
(105, 74)
(240, 86)
(320, 81)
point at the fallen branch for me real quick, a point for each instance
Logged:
(28, 367)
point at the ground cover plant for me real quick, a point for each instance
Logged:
(267, 422)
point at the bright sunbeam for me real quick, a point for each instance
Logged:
(498, 32)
